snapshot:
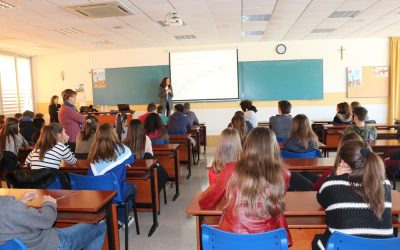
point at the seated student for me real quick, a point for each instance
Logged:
(360, 128)
(2, 120)
(357, 199)
(302, 138)
(354, 105)
(178, 122)
(10, 139)
(226, 155)
(121, 122)
(34, 226)
(84, 139)
(343, 115)
(282, 122)
(38, 124)
(151, 108)
(26, 125)
(307, 181)
(160, 112)
(256, 190)
(238, 122)
(18, 116)
(155, 129)
(50, 148)
(109, 155)
(249, 112)
(39, 115)
(190, 114)
(228, 150)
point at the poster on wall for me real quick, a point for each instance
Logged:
(367, 81)
(354, 76)
(99, 78)
(381, 71)
(80, 91)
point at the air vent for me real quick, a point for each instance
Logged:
(6, 5)
(344, 14)
(322, 30)
(182, 37)
(253, 33)
(256, 18)
(68, 31)
(100, 43)
(163, 24)
(108, 9)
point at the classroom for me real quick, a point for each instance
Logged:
(216, 54)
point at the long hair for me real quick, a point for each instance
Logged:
(153, 123)
(258, 178)
(163, 83)
(52, 99)
(9, 129)
(302, 131)
(89, 127)
(105, 145)
(345, 109)
(119, 124)
(2, 121)
(228, 149)
(343, 139)
(368, 170)
(239, 123)
(136, 138)
(47, 139)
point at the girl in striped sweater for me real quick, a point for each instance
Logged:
(357, 199)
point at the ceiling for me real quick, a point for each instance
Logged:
(30, 27)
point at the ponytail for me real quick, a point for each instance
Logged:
(121, 117)
(89, 127)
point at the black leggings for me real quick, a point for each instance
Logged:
(168, 109)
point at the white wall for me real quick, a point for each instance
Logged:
(358, 52)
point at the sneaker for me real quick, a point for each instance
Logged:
(122, 225)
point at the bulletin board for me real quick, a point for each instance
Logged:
(368, 81)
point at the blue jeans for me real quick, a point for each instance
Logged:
(82, 236)
(130, 190)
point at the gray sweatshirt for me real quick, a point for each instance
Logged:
(34, 227)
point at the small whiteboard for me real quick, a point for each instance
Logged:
(371, 81)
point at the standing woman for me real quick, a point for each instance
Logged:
(165, 93)
(70, 118)
(54, 107)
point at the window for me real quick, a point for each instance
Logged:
(15, 85)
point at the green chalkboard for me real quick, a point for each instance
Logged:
(258, 80)
(136, 85)
(277, 80)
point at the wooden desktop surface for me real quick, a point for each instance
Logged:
(309, 164)
(138, 165)
(165, 147)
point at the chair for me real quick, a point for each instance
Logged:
(13, 245)
(311, 154)
(106, 182)
(280, 139)
(44, 178)
(349, 242)
(159, 142)
(216, 239)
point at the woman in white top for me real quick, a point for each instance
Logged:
(50, 149)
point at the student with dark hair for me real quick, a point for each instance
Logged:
(70, 118)
(354, 105)
(360, 127)
(85, 138)
(26, 125)
(151, 108)
(54, 107)
(2, 120)
(155, 129)
(10, 138)
(302, 138)
(178, 122)
(249, 112)
(357, 199)
(282, 122)
(190, 114)
(121, 128)
(343, 115)
(38, 124)
(18, 116)
(160, 112)
(165, 93)
(39, 115)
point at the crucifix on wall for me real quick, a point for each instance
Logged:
(341, 52)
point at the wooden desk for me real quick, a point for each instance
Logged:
(195, 132)
(383, 145)
(377, 125)
(264, 124)
(107, 117)
(185, 150)
(142, 174)
(78, 206)
(316, 165)
(203, 135)
(304, 215)
(168, 156)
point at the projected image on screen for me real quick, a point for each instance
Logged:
(204, 75)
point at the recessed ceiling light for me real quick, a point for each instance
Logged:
(256, 18)
(253, 33)
(68, 31)
(182, 37)
(117, 27)
(6, 5)
(322, 30)
(102, 42)
(344, 14)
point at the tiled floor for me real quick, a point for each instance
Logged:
(176, 230)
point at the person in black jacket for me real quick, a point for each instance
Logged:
(53, 109)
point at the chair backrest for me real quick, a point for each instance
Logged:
(216, 239)
(158, 142)
(13, 245)
(9, 161)
(349, 242)
(311, 154)
(280, 139)
(44, 178)
(56, 184)
(101, 182)
(180, 132)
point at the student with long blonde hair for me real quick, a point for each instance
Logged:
(256, 190)
(357, 199)
(239, 123)
(226, 156)
(109, 155)
(302, 138)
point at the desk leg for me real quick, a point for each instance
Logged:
(111, 215)
(199, 219)
(205, 139)
(176, 175)
(189, 160)
(153, 203)
(198, 146)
